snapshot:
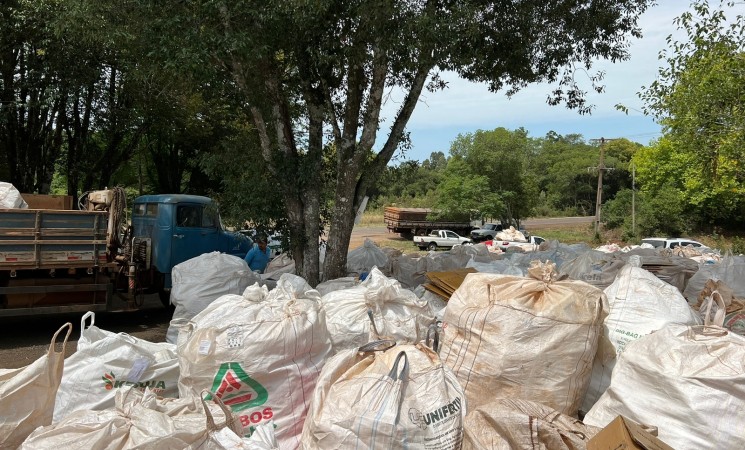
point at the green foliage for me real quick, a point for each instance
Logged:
(698, 99)
(663, 213)
(463, 194)
(498, 158)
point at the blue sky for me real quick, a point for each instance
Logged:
(466, 107)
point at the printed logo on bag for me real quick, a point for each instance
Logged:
(110, 382)
(237, 389)
(440, 414)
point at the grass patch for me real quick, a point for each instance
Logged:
(372, 218)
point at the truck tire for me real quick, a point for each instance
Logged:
(432, 246)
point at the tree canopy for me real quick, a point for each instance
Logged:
(310, 77)
(698, 98)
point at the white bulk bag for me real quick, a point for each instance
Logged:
(336, 285)
(10, 198)
(197, 282)
(689, 382)
(27, 394)
(105, 362)
(508, 424)
(640, 303)
(261, 353)
(397, 313)
(367, 256)
(531, 338)
(731, 270)
(403, 397)
(510, 234)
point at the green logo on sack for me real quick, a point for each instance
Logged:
(236, 389)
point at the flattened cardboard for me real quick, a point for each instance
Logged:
(625, 434)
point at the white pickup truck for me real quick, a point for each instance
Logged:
(439, 238)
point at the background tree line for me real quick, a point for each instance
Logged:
(255, 104)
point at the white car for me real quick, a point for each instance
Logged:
(661, 242)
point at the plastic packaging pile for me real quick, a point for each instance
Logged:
(555, 353)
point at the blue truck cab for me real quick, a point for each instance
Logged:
(181, 227)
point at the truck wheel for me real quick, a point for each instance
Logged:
(432, 246)
(408, 235)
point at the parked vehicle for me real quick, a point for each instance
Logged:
(659, 242)
(409, 222)
(530, 244)
(55, 260)
(439, 238)
(486, 232)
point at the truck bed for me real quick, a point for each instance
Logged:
(52, 239)
(53, 261)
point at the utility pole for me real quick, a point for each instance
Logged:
(633, 198)
(601, 168)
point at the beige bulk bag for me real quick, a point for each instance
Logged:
(27, 394)
(261, 353)
(640, 303)
(133, 423)
(531, 338)
(373, 398)
(106, 362)
(519, 424)
(688, 381)
(377, 308)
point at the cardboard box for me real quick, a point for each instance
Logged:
(625, 434)
(39, 201)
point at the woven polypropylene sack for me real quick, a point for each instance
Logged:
(370, 400)
(531, 338)
(136, 424)
(10, 197)
(689, 382)
(364, 258)
(640, 303)
(197, 282)
(397, 313)
(27, 394)
(106, 362)
(508, 424)
(261, 353)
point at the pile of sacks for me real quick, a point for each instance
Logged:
(514, 359)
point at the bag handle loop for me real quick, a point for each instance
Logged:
(721, 310)
(377, 346)
(372, 321)
(230, 420)
(433, 335)
(88, 314)
(68, 325)
(397, 374)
